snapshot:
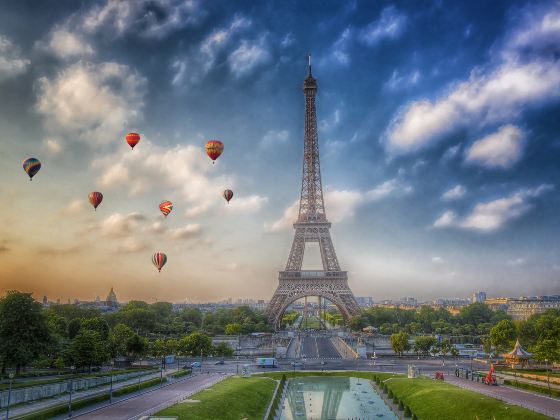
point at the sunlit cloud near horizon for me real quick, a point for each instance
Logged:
(438, 128)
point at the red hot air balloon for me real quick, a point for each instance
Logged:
(228, 195)
(132, 139)
(165, 207)
(159, 259)
(214, 149)
(95, 198)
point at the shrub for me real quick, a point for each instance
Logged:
(390, 393)
(395, 400)
(385, 388)
(414, 417)
(407, 412)
(401, 406)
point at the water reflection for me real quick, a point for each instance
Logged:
(333, 397)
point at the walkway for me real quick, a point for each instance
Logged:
(155, 401)
(539, 403)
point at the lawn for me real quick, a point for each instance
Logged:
(310, 322)
(233, 398)
(435, 400)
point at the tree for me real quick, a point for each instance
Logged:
(88, 349)
(24, 334)
(547, 350)
(233, 329)
(119, 337)
(422, 345)
(487, 345)
(503, 335)
(97, 324)
(400, 343)
(223, 349)
(73, 327)
(136, 345)
(196, 344)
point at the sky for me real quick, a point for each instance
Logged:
(439, 141)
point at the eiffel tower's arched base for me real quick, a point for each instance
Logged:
(294, 285)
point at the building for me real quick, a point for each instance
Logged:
(523, 307)
(498, 303)
(111, 299)
(364, 300)
(478, 297)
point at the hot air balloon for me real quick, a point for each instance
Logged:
(228, 195)
(31, 166)
(95, 198)
(132, 139)
(159, 259)
(214, 149)
(165, 207)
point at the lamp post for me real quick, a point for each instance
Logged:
(548, 377)
(11, 375)
(161, 370)
(72, 368)
(111, 388)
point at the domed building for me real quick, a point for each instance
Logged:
(111, 299)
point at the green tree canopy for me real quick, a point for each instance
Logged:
(399, 343)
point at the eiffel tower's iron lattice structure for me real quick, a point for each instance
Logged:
(311, 226)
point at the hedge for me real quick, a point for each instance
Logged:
(532, 387)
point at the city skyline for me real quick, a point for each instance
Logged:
(446, 148)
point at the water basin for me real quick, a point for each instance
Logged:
(333, 397)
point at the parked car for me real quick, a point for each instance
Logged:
(195, 365)
(219, 362)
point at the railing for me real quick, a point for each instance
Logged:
(312, 274)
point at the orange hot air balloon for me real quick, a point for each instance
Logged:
(95, 198)
(214, 149)
(228, 195)
(165, 207)
(132, 139)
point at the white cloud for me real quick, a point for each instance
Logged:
(92, 102)
(492, 215)
(483, 99)
(184, 170)
(448, 218)
(331, 122)
(517, 262)
(131, 245)
(342, 204)
(501, 149)
(249, 204)
(390, 25)
(146, 18)
(274, 138)
(455, 193)
(186, 232)
(120, 225)
(338, 53)
(12, 64)
(249, 55)
(288, 40)
(52, 145)
(401, 81)
(438, 260)
(75, 206)
(64, 44)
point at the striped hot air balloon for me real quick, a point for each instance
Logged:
(95, 198)
(132, 139)
(214, 149)
(31, 166)
(165, 207)
(159, 259)
(228, 195)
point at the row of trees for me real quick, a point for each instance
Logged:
(540, 334)
(65, 335)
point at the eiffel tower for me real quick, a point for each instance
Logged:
(311, 226)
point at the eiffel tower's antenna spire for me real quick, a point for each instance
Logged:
(309, 64)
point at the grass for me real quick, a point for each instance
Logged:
(435, 400)
(542, 371)
(532, 387)
(233, 398)
(310, 322)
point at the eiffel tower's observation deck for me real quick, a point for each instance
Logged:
(312, 225)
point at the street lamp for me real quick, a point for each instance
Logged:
(11, 375)
(72, 368)
(111, 388)
(548, 377)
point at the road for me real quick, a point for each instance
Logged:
(152, 402)
(318, 347)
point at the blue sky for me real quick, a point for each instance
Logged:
(438, 129)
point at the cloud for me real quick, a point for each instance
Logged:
(274, 138)
(342, 204)
(288, 40)
(183, 170)
(338, 53)
(52, 145)
(390, 25)
(75, 206)
(499, 150)
(132, 245)
(517, 262)
(66, 44)
(492, 215)
(185, 232)
(92, 102)
(249, 55)
(249, 204)
(438, 260)
(399, 82)
(455, 193)
(494, 93)
(330, 123)
(120, 225)
(145, 18)
(12, 64)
